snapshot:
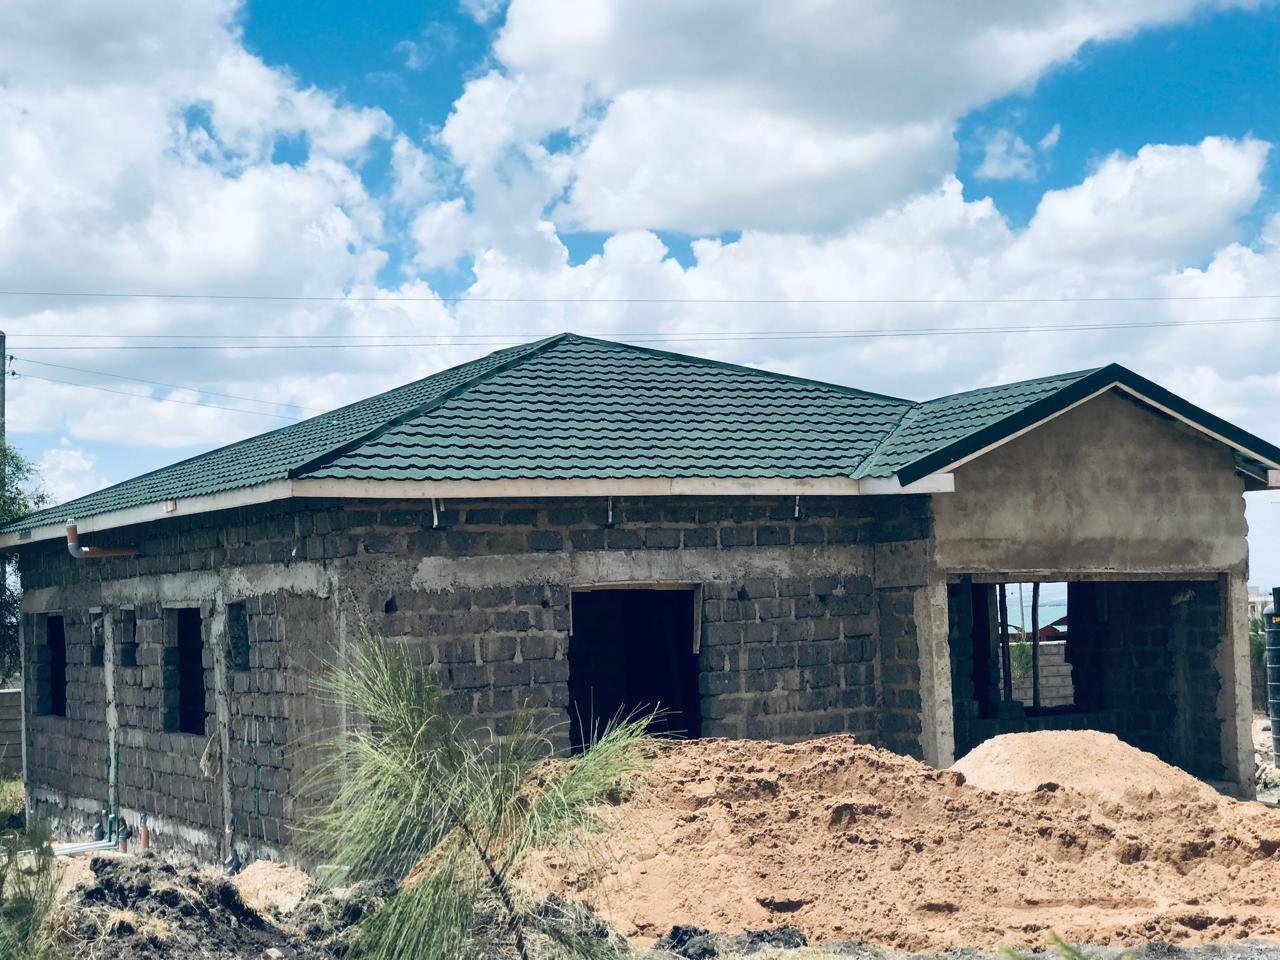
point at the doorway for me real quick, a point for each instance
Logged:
(633, 650)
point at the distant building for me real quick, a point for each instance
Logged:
(1259, 600)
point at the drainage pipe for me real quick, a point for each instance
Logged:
(92, 553)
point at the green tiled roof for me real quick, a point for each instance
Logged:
(936, 424)
(268, 456)
(574, 408)
(591, 409)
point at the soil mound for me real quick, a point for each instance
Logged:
(144, 908)
(1089, 761)
(843, 841)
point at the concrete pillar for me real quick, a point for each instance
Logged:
(1235, 697)
(217, 637)
(113, 710)
(937, 717)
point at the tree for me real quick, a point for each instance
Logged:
(417, 797)
(20, 493)
(1258, 642)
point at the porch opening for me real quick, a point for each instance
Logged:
(1134, 658)
(633, 650)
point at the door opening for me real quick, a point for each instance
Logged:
(633, 650)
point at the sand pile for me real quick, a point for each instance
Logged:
(847, 842)
(1100, 764)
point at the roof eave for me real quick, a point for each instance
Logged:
(355, 489)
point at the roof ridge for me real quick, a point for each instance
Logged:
(726, 365)
(873, 457)
(1075, 374)
(523, 353)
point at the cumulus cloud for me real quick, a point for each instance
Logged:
(65, 472)
(820, 118)
(1086, 241)
(138, 156)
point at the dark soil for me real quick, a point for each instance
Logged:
(145, 908)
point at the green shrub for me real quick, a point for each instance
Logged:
(417, 798)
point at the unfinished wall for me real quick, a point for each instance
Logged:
(806, 628)
(1115, 491)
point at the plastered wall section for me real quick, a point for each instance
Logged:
(1113, 488)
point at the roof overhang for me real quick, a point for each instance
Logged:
(1261, 457)
(482, 490)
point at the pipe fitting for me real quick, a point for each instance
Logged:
(93, 553)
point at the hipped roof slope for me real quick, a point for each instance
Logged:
(576, 408)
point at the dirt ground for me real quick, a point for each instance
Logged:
(866, 853)
(850, 843)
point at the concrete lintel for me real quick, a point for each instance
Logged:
(638, 566)
(1273, 479)
(1061, 576)
(186, 589)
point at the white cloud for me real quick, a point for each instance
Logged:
(1006, 157)
(1050, 139)
(415, 178)
(1083, 242)
(137, 156)
(442, 232)
(786, 121)
(66, 472)
(481, 11)
(1168, 205)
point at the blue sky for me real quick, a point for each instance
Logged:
(607, 149)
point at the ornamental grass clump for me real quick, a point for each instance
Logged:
(29, 878)
(452, 817)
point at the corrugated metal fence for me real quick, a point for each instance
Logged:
(10, 732)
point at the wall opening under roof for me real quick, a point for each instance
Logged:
(633, 650)
(1140, 656)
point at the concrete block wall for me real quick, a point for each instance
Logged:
(1056, 689)
(10, 732)
(73, 750)
(807, 629)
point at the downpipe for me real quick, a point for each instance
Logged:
(92, 553)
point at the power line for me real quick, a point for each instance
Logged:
(171, 386)
(231, 341)
(137, 396)
(317, 298)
